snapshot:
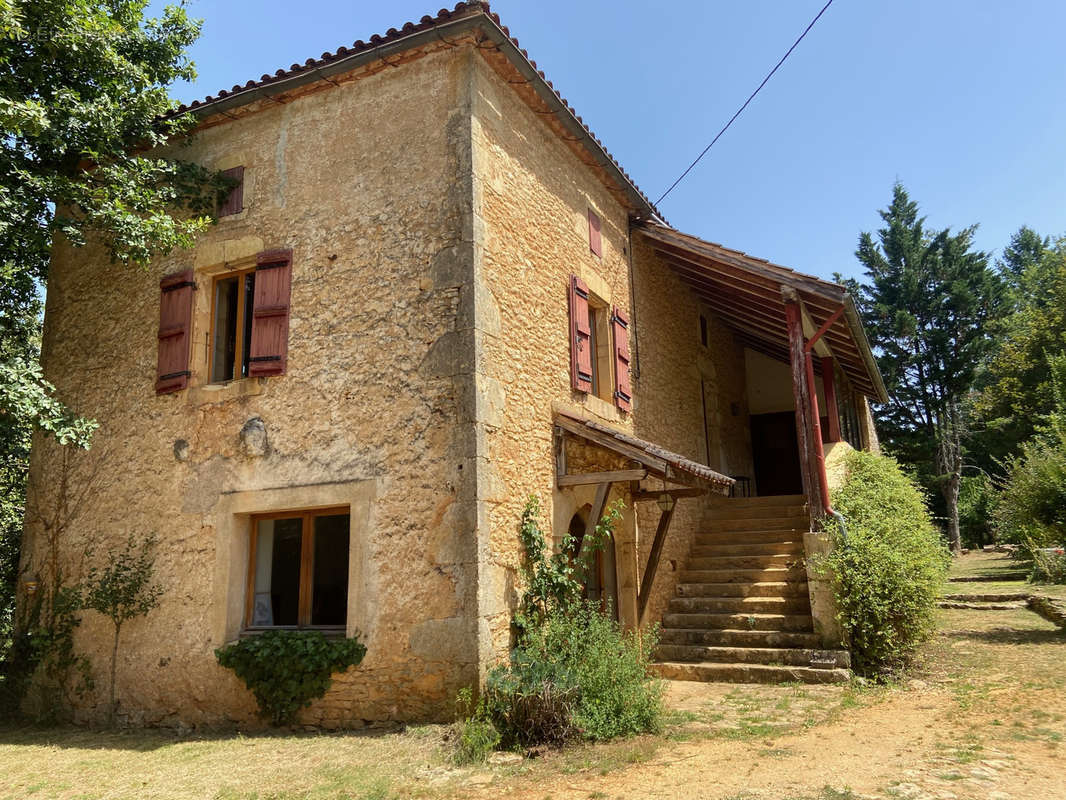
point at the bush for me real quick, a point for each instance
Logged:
(889, 569)
(574, 672)
(1049, 565)
(477, 736)
(977, 504)
(286, 670)
(1032, 508)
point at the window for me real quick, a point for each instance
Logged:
(595, 238)
(298, 571)
(600, 348)
(231, 325)
(234, 202)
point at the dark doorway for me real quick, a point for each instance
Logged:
(775, 453)
(601, 583)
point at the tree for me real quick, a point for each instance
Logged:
(122, 590)
(1015, 388)
(927, 303)
(83, 104)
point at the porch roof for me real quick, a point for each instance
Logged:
(746, 294)
(658, 461)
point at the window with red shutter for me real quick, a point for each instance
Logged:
(580, 336)
(175, 334)
(234, 202)
(623, 393)
(269, 347)
(595, 240)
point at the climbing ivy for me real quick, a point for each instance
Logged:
(286, 670)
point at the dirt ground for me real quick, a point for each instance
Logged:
(982, 718)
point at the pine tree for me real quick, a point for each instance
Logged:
(927, 302)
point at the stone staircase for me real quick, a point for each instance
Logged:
(742, 613)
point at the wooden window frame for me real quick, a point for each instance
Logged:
(307, 552)
(601, 343)
(240, 345)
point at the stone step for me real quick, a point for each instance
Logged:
(754, 621)
(700, 549)
(759, 589)
(781, 560)
(998, 577)
(728, 511)
(980, 606)
(739, 605)
(746, 673)
(753, 575)
(790, 656)
(708, 536)
(762, 524)
(738, 638)
(999, 597)
(761, 502)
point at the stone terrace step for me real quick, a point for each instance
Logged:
(759, 589)
(706, 537)
(761, 502)
(738, 638)
(762, 524)
(739, 605)
(747, 673)
(790, 656)
(746, 549)
(753, 575)
(728, 512)
(754, 621)
(781, 560)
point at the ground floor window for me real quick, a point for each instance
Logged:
(298, 570)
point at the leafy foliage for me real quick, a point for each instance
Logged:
(926, 306)
(889, 570)
(978, 499)
(574, 672)
(286, 670)
(477, 736)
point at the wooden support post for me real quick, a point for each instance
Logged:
(830, 390)
(801, 396)
(648, 581)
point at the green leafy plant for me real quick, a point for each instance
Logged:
(889, 570)
(476, 735)
(122, 590)
(286, 670)
(574, 672)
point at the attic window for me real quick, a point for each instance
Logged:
(234, 202)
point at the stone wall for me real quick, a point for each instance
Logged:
(364, 183)
(673, 368)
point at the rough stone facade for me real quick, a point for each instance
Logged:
(435, 220)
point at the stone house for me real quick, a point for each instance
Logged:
(433, 294)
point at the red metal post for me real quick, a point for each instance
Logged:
(830, 389)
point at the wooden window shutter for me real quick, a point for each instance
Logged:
(175, 331)
(580, 336)
(595, 240)
(234, 202)
(269, 348)
(623, 392)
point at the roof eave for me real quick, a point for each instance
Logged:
(640, 207)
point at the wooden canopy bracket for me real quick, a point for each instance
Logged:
(602, 477)
(809, 345)
(651, 494)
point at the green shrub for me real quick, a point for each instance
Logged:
(286, 670)
(977, 505)
(1032, 508)
(1049, 565)
(889, 569)
(574, 672)
(477, 736)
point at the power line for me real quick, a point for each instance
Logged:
(741, 109)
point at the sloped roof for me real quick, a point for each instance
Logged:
(442, 32)
(745, 293)
(661, 462)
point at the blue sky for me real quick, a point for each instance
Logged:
(964, 101)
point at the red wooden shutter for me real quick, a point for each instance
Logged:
(175, 331)
(595, 241)
(623, 393)
(269, 347)
(234, 202)
(580, 336)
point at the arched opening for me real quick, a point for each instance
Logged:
(601, 581)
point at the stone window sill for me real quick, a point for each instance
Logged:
(211, 393)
